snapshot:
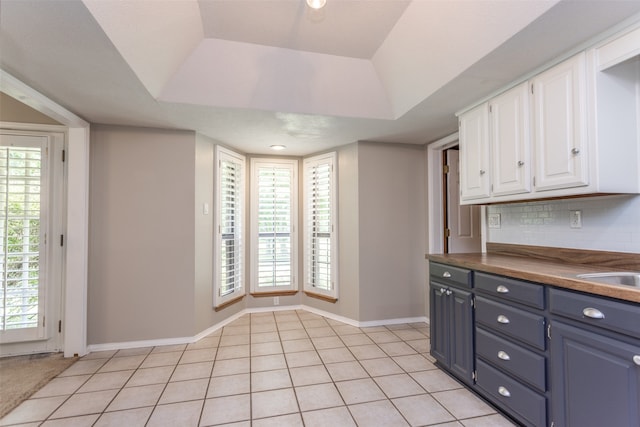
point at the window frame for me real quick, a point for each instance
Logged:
(239, 289)
(311, 289)
(292, 165)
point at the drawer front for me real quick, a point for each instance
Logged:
(613, 315)
(519, 324)
(512, 358)
(511, 289)
(449, 275)
(523, 403)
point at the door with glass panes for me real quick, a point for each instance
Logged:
(30, 242)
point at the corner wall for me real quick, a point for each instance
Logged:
(141, 234)
(392, 242)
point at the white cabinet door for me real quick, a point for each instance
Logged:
(510, 142)
(560, 126)
(474, 154)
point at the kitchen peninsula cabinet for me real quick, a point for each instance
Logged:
(452, 319)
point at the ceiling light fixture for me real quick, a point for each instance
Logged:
(316, 4)
(278, 147)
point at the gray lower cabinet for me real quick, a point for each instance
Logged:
(595, 377)
(511, 357)
(451, 320)
(545, 356)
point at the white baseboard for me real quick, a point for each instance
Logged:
(188, 340)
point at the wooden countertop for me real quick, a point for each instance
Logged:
(550, 271)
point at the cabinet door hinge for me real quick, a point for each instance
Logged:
(64, 155)
(490, 108)
(44, 318)
(549, 330)
(447, 232)
(59, 326)
(445, 169)
(62, 240)
(531, 88)
(473, 302)
(474, 375)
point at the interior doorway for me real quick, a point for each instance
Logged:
(442, 210)
(462, 222)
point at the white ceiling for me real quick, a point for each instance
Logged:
(252, 73)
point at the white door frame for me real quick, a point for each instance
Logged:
(435, 195)
(74, 282)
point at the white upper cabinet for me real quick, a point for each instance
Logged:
(510, 142)
(560, 126)
(474, 154)
(571, 130)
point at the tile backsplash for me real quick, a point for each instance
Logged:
(609, 223)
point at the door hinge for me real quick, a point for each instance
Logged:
(64, 155)
(447, 232)
(62, 240)
(445, 169)
(44, 318)
(59, 326)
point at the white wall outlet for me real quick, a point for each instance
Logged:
(276, 300)
(575, 219)
(494, 220)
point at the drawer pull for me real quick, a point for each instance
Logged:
(593, 313)
(446, 274)
(636, 359)
(503, 355)
(504, 392)
(502, 289)
(503, 319)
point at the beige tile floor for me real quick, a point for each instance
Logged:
(286, 368)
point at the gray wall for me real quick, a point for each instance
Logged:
(392, 231)
(12, 110)
(141, 234)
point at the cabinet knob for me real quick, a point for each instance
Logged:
(446, 274)
(575, 151)
(449, 291)
(593, 313)
(502, 289)
(636, 359)
(520, 163)
(482, 171)
(503, 355)
(503, 319)
(504, 392)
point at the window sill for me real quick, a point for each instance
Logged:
(228, 303)
(273, 294)
(321, 297)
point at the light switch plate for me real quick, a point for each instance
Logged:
(494, 220)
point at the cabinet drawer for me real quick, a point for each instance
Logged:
(519, 324)
(617, 316)
(447, 274)
(511, 289)
(512, 358)
(523, 403)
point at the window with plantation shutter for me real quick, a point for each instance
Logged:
(273, 225)
(229, 253)
(320, 226)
